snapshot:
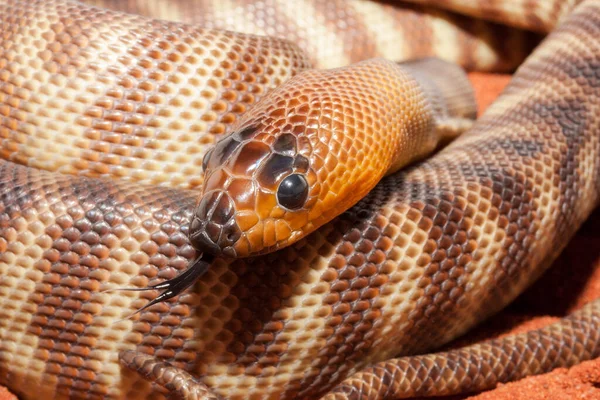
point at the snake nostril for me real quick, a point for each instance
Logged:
(231, 236)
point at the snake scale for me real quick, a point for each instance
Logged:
(105, 120)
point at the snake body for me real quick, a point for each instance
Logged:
(427, 254)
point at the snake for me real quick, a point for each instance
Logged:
(137, 138)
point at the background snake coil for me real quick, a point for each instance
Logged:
(106, 118)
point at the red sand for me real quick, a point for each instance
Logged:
(487, 87)
(573, 280)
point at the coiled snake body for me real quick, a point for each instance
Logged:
(101, 110)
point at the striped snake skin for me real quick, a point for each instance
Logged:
(105, 119)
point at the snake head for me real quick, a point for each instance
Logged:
(258, 192)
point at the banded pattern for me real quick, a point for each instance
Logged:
(444, 244)
(538, 16)
(562, 344)
(122, 96)
(536, 144)
(338, 32)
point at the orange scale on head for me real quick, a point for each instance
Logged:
(297, 120)
(246, 219)
(277, 212)
(338, 185)
(243, 193)
(304, 144)
(249, 157)
(316, 163)
(314, 114)
(269, 237)
(313, 195)
(283, 231)
(316, 211)
(335, 146)
(304, 108)
(312, 179)
(243, 245)
(322, 176)
(299, 129)
(297, 220)
(268, 139)
(216, 180)
(277, 113)
(338, 125)
(331, 162)
(254, 237)
(265, 202)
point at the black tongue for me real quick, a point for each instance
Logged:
(177, 285)
(184, 280)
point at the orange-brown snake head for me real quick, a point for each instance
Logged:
(307, 152)
(258, 193)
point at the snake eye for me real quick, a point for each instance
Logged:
(292, 192)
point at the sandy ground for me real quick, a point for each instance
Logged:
(573, 280)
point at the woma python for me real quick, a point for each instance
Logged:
(107, 117)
